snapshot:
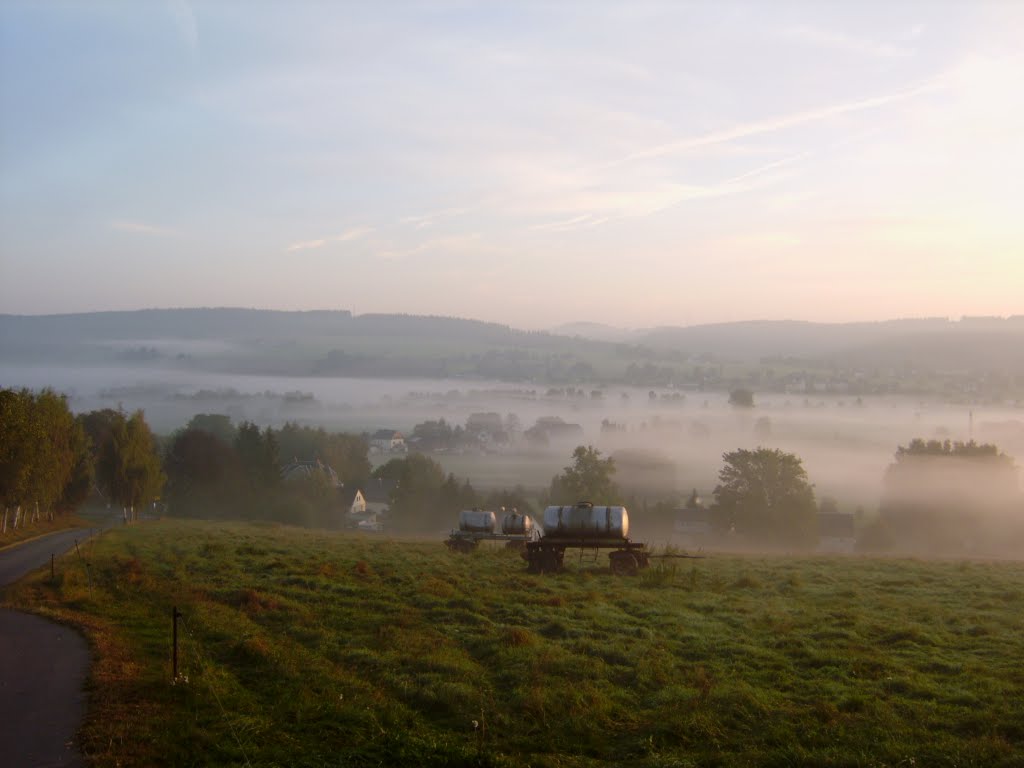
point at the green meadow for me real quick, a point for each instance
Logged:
(302, 648)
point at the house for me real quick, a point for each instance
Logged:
(304, 470)
(694, 522)
(836, 532)
(369, 505)
(552, 429)
(387, 441)
(487, 429)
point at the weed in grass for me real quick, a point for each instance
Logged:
(517, 637)
(746, 582)
(660, 575)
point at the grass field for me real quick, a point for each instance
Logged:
(317, 649)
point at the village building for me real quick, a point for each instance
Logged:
(305, 470)
(836, 532)
(693, 523)
(387, 441)
(368, 506)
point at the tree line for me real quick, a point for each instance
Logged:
(943, 498)
(51, 460)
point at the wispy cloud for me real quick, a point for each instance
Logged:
(450, 243)
(773, 124)
(306, 245)
(576, 222)
(424, 220)
(353, 234)
(185, 21)
(839, 41)
(142, 228)
(347, 236)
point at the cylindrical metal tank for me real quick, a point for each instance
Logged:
(476, 521)
(516, 524)
(584, 520)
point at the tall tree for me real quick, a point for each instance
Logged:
(41, 446)
(951, 497)
(258, 455)
(217, 424)
(16, 448)
(128, 467)
(764, 495)
(345, 454)
(588, 478)
(741, 398)
(415, 503)
(203, 476)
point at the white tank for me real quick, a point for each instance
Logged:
(476, 521)
(584, 520)
(516, 524)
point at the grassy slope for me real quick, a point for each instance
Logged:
(330, 649)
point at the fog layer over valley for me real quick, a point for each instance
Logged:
(667, 432)
(665, 441)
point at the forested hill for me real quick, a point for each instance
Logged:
(897, 355)
(231, 323)
(328, 343)
(932, 343)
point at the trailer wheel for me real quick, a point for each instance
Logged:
(464, 546)
(623, 563)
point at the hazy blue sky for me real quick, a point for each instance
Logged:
(530, 163)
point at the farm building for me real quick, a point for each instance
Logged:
(370, 504)
(387, 441)
(836, 532)
(694, 522)
(303, 470)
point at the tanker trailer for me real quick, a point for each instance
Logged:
(585, 526)
(476, 525)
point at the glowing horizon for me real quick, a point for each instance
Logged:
(636, 166)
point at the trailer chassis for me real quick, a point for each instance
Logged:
(548, 555)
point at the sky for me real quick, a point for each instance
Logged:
(635, 164)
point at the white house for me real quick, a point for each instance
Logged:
(370, 505)
(387, 441)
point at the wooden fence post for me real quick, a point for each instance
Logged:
(175, 615)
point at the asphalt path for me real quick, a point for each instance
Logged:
(20, 559)
(43, 666)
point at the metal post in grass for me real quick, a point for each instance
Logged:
(175, 615)
(88, 575)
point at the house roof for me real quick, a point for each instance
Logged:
(296, 469)
(386, 434)
(378, 491)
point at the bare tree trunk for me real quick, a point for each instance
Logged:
(17, 517)
(5, 521)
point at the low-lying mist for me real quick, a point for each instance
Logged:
(666, 442)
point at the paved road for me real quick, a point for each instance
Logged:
(43, 666)
(16, 561)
